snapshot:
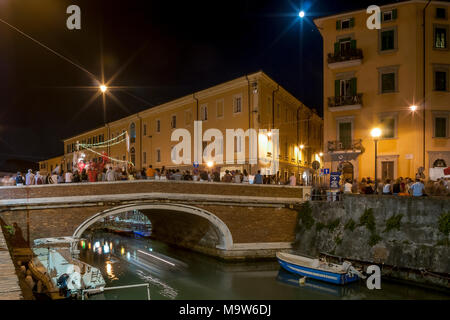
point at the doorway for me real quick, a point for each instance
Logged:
(387, 170)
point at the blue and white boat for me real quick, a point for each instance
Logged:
(319, 270)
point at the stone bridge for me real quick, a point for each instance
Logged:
(230, 221)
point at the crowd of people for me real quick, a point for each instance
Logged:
(93, 174)
(400, 186)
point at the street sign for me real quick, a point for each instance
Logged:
(315, 165)
(326, 171)
(195, 164)
(334, 180)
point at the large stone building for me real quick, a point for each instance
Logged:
(252, 101)
(381, 78)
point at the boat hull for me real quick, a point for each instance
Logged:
(330, 277)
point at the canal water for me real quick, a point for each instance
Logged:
(174, 273)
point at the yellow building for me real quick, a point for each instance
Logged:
(253, 101)
(47, 166)
(376, 78)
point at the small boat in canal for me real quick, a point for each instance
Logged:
(60, 273)
(320, 270)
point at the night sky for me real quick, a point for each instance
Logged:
(163, 50)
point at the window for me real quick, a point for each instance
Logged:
(388, 82)
(389, 15)
(219, 108)
(440, 122)
(345, 87)
(388, 39)
(145, 129)
(388, 126)
(441, 13)
(158, 155)
(345, 134)
(173, 123)
(132, 133)
(158, 125)
(204, 112)
(237, 104)
(345, 23)
(388, 79)
(440, 81)
(440, 37)
(145, 157)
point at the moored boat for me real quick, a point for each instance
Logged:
(320, 270)
(62, 275)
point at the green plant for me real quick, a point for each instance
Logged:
(368, 220)
(444, 223)
(333, 224)
(443, 242)
(305, 215)
(338, 240)
(374, 239)
(9, 229)
(350, 225)
(319, 226)
(393, 222)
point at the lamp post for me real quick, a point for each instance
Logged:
(375, 133)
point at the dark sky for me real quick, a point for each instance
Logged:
(164, 49)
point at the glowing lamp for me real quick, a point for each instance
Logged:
(413, 108)
(103, 88)
(301, 14)
(375, 133)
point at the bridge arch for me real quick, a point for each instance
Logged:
(225, 237)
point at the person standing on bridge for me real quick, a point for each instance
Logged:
(19, 179)
(110, 175)
(150, 173)
(29, 178)
(69, 177)
(258, 178)
(292, 180)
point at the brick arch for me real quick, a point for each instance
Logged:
(225, 237)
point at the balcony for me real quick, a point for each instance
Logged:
(343, 103)
(346, 146)
(348, 58)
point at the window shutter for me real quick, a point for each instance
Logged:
(353, 86)
(381, 17)
(352, 22)
(394, 14)
(338, 25)
(337, 84)
(353, 44)
(337, 48)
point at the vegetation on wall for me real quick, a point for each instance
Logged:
(393, 222)
(444, 223)
(350, 225)
(305, 215)
(368, 220)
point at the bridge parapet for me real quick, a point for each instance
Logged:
(150, 186)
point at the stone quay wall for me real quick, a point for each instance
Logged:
(408, 237)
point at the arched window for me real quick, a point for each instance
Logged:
(439, 163)
(132, 132)
(133, 155)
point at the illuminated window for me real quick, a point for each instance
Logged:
(440, 36)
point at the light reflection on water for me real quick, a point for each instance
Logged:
(174, 273)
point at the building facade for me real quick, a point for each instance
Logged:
(380, 78)
(47, 166)
(253, 101)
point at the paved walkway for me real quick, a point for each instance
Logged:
(9, 282)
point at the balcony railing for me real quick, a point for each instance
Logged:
(345, 145)
(345, 100)
(347, 55)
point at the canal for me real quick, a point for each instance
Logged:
(174, 273)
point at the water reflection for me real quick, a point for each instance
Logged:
(174, 273)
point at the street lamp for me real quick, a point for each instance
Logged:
(103, 88)
(375, 133)
(413, 108)
(209, 164)
(301, 14)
